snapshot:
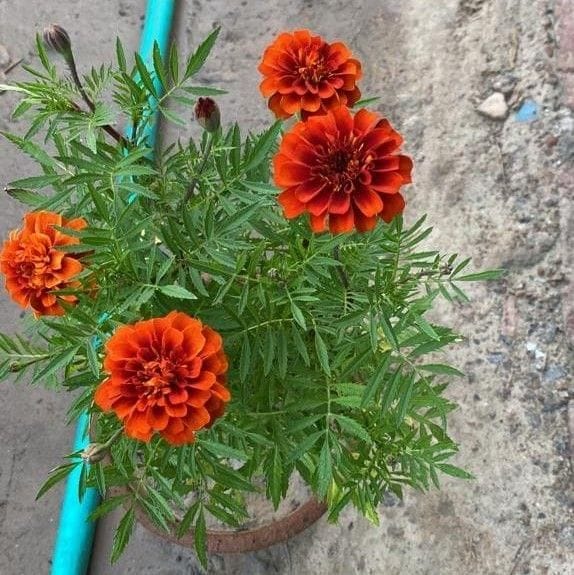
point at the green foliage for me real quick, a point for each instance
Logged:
(340, 381)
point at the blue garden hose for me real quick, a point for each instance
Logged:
(75, 535)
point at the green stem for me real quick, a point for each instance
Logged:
(113, 438)
(69, 57)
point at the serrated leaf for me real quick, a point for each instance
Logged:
(426, 327)
(123, 534)
(304, 446)
(405, 398)
(145, 76)
(245, 360)
(324, 470)
(223, 450)
(35, 182)
(174, 63)
(388, 330)
(197, 282)
(56, 476)
(353, 427)
(137, 190)
(454, 471)
(300, 345)
(159, 67)
(282, 354)
(176, 291)
(460, 267)
(200, 538)
(268, 351)
(302, 422)
(459, 293)
(93, 359)
(373, 332)
(274, 473)
(107, 506)
(441, 369)
(199, 57)
(298, 315)
(263, 145)
(57, 362)
(231, 478)
(172, 116)
(120, 55)
(33, 150)
(390, 390)
(203, 91)
(322, 353)
(482, 276)
(187, 520)
(375, 381)
(26, 197)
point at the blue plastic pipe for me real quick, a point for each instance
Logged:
(157, 28)
(75, 533)
(75, 536)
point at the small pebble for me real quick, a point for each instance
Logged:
(494, 107)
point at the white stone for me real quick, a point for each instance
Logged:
(494, 107)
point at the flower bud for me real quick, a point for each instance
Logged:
(94, 453)
(57, 39)
(207, 114)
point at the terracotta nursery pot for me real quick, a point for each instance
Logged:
(242, 541)
(239, 540)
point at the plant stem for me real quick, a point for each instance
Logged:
(78, 83)
(195, 179)
(113, 438)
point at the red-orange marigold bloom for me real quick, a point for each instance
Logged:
(35, 268)
(304, 73)
(342, 168)
(166, 375)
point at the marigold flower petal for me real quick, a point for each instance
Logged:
(165, 375)
(393, 205)
(341, 223)
(305, 73)
(344, 170)
(291, 204)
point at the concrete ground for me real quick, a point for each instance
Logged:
(496, 185)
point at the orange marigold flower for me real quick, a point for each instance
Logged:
(342, 168)
(305, 73)
(166, 375)
(35, 268)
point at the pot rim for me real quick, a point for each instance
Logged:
(230, 541)
(240, 541)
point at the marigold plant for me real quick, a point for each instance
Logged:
(219, 341)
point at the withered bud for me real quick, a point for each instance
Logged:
(57, 39)
(94, 453)
(207, 114)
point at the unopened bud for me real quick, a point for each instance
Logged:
(94, 453)
(15, 366)
(57, 39)
(207, 114)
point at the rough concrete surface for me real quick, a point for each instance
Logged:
(497, 189)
